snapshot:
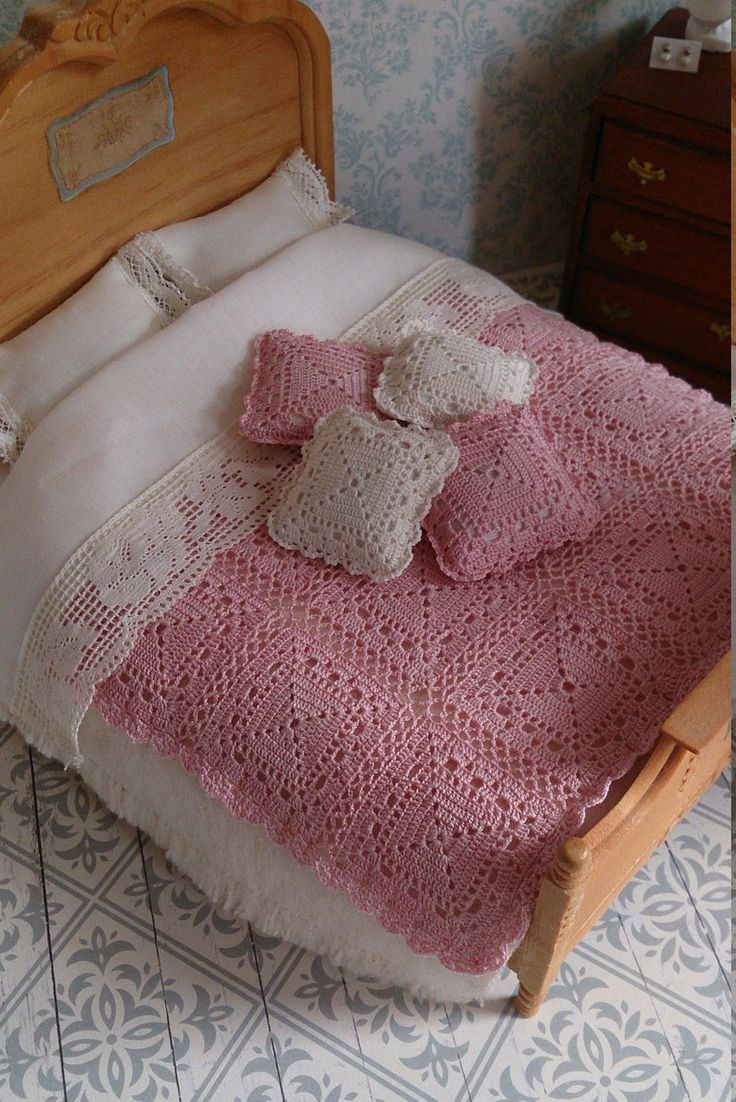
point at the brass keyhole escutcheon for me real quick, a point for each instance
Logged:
(613, 311)
(723, 332)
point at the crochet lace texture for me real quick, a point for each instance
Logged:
(309, 190)
(14, 432)
(168, 287)
(133, 570)
(733, 398)
(436, 377)
(298, 379)
(360, 493)
(425, 744)
(509, 499)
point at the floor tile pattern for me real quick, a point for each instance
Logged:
(119, 980)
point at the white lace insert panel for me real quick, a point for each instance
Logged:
(167, 286)
(309, 190)
(14, 432)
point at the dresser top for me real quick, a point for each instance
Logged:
(703, 96)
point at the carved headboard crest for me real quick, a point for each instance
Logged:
(103, 22)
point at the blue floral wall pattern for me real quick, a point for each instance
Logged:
(460, 122)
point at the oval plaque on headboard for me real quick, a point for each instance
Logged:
(111, 133)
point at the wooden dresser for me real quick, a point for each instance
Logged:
(649, 259)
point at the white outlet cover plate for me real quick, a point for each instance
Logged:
(677, 55)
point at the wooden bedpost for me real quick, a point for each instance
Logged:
(538, 958)
(589, 872)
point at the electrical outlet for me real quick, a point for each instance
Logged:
(678, 55)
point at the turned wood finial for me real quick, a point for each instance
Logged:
(571, 862)
(527, 1004)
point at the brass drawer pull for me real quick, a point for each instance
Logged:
(613, 310)
(647, 173)
(628, 244)
(723, 332)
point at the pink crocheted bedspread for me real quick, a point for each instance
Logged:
(424, 744)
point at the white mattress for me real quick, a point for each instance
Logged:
(237, 866)
(242, 870)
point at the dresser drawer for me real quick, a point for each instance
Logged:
(641, 242)
(679, 176)
(607, 304)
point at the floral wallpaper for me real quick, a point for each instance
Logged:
(460, 122)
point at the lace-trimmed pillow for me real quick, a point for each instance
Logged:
(150, 282)
(358, 497)
(298, 379)
(439, 376)
(134, 295)
(218, 247)
(509, 499)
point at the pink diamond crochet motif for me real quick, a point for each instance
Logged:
(509, 499)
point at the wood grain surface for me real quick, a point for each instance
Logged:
(250, 81)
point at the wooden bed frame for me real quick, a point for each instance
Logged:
(251, 81)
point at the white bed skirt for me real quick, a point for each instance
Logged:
(238, 867)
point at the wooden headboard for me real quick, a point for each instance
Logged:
(250, 81)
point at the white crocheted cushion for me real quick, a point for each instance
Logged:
(360, 493)
(439, 376)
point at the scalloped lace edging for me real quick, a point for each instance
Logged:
(309, 189)
(14, 432)
(368, 899)
(166, 285)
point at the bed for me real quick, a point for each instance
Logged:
(246, 84)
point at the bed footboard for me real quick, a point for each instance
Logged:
(588, 872)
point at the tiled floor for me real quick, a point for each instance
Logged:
(118, 980)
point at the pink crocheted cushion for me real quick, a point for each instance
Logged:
(509, 499)
(298, 379)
